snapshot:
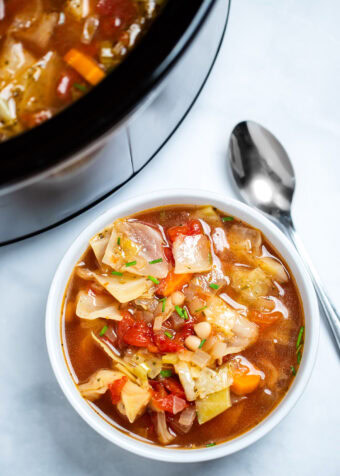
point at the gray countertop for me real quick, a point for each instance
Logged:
(279, 65)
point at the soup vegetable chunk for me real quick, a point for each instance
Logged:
(182, 325)
(53, 51)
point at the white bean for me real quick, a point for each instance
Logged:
(203, 330)
(192, 342)
(177, 298)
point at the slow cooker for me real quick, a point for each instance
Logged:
(69, 163)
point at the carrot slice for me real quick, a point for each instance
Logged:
(245, 383)
(264, 319)
(85, 66)
(173, 282)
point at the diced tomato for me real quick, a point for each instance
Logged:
(173, 386)
(165, 344)
(116, 389)
(132, 332)
(193, 227)
(171, 403)
(117, 15)
(169, 256)
(65, 84)
(173, 282)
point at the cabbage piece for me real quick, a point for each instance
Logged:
(29, 13)
(220, 314)
(245, 333)
(98, 383)
(163, 433)
(40, 33)
(212, 405)
(124, 288)
(135, 400)
(90, 306)
(135, 241)
(110, 352)
(244, 242)
(183, 371)
(273, 268)
(208, 214)
(250, 283)
(14, 59)
(99, 243)
(211, 381)
(192, 254)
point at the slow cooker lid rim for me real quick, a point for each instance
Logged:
(25, 156)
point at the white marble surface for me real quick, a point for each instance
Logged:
(279, 65)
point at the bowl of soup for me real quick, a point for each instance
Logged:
(182, 325)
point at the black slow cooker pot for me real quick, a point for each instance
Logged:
(60, 168)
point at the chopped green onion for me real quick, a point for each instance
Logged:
(299, 357)
(166, 373)
(298, 342)
(159, 260)
(116, 273)
(299, 348)
(131, 263)
(154, 280)
(186, 317)
(168, 334)
(210, 444)
(118, 240)
(213, 286)
(227, 219)
(201, 309)
(202, 343)
(179, 311)
(292, 368)
(163, 305)
(80, 87)
(104, 329)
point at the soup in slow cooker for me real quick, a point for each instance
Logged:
(182, 326)
(53, 51)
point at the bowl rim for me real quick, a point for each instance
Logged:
(172, 197)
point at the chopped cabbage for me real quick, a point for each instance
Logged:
(134, 399)
(220, 314)
(212, 405)
(273, 268)
(192, 254)
(98, 383)
(211, 381)
(94, 307)
(99, 243)
(183, 371)
(124, 288)
(244, 242)
(250, 283)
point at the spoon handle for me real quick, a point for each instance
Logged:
(329, 310)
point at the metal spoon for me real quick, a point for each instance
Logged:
(265, 179)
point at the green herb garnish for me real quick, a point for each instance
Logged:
(154, 280)
(299, 355)
(210, 444)
(213, 286)
(80, 87)
(292, 368)
(201, 309)
(166, 373)
(202, 343)
(227, 219)
(131, 263)
(168, 334)
(179, 311)
(116, 273)
(163, 300)
(186, 317)
(155, 261)
(118, 240)
(298, 342)
(299, 348)
(102, 332)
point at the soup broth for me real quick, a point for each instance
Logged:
(183, 326)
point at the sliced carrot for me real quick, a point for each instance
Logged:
(245, 383)
(173, 282)
(84, 65)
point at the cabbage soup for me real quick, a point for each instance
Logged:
(182, 326)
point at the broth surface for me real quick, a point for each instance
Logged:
(271, 358)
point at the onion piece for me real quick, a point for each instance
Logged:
(179, 404)
(219, 350)
(200, 358)
(157, 325)
(163, 433)
(187, 419)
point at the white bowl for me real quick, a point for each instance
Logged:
(231, 207)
